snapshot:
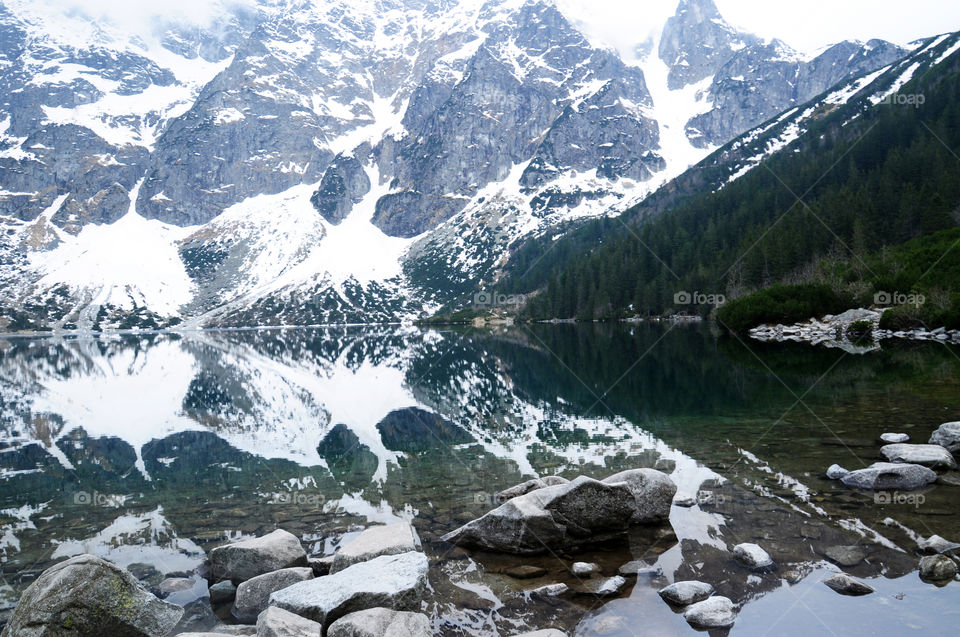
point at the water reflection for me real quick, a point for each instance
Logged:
(150, 450)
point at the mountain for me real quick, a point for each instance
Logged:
(821, 193)
(298, 162)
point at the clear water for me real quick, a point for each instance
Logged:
(150, 450)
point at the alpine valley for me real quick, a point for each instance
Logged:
(300, 163)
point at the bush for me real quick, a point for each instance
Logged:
(781, 304)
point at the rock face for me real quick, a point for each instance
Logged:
(933, 456)
(276, 622)
(381, 622)
(242, 560)
(391, 539)
(846, 585)
(254, 594)
(528, 486)
(653, 491)
(752, 556)
(565, 515)
(92, 597)
(947, 436)
(937, 568)
(886, 475)
(686, 593)
(390, 581)
(715, 612)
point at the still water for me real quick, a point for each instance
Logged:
(150, 450)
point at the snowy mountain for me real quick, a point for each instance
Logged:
(311, 161)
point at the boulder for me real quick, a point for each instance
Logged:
(894, 438)
(381, 622)
(92, 597)
(585, 569)
(849, 555)
(174, 585)
(276, 622)
(886, 475)
(936, 544)
(391, 539)
(686, 502)
(714, 612)
(549, 632)
(602, 586)
(253, 595)
(320, 565)
(933, 456)
(937, 568)
(222, 592)
(550, 590)
(561, 516)
(686, 593)
(836, 472)
(389, 581)
(846, 585)
(948, 436)
(752, 556)
(242, 560)
(653, 491)
(638, 568)
(528, 486)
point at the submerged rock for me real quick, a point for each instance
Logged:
(849, 555)
(602, 587)
(547, 632)
(525, 571)
(240, 561)
(894, 438)
(253, 595)
(947, 435)
(389, 581)
(528, 486)
(652, 490)
(715, 612)
(381, 622)
(276, 622)
(86, 596)
(752, 556)
(887, 475)
(936, 544)
(933, 456)
(846, 585)
(836, 472)
(937, 568)
(550, 590)
(391, 539)
(637, 568)
(686, 593)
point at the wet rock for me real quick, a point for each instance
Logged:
(947, 435)
(92, 597)
(320, 565)
(603, 587)
(548, 632)
(550, 590)
(886, 475)
(381, 622)
(391, 539)
(836, 472)
(846, 585)
(850, 555)
(937, 568)
(638, 568)
(894, 438)
(525, 571)
(389, 581)
(715, 612)
(560, 516)
(528, 486)
(752, 556)
(254, 594)
(174, 585)
(276, 622)
(936, 544)
(240, 561)
(653, 491)
(793, 577)
(933, 456)
(584, 569)
(222, 592)
(686, 593)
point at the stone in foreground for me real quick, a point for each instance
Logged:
(530, 485)
(389, 581)
(653, 491)
(937, 568)
(391, 539)
(947, 436)
(381, 622)
(242, 560)
(933, 456)
(715, 612)
(253, 595)
(86, 596)
(276, 622)
(846, 585)
(686, 593)
(888, 475)
(752, 556)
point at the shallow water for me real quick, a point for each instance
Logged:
(151, 450)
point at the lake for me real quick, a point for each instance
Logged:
(149, 450)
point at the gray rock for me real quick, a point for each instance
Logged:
(653, 490)
(94, 598)
(686, 593)
(936, 544)
(528, 486)
(638, 568)
(320, 565)
(937, 568)
(390, 581)
(846, 585)
(933, 456)
(686, 502)
(550, 590)
(560, 516)
(253, 595)
(222, 592)
(381, 622)
(885, 475)
(242, 560)
(836, 472)
(549, 632)
(276, 622)
(602, 586)
(585, 569)
(894, 438)
(947, 435)
(391, 539)
(525, 571)
(174, 585)
(715, 612)
(752, 556)
(850, 555)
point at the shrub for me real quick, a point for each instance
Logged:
(781, 304)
